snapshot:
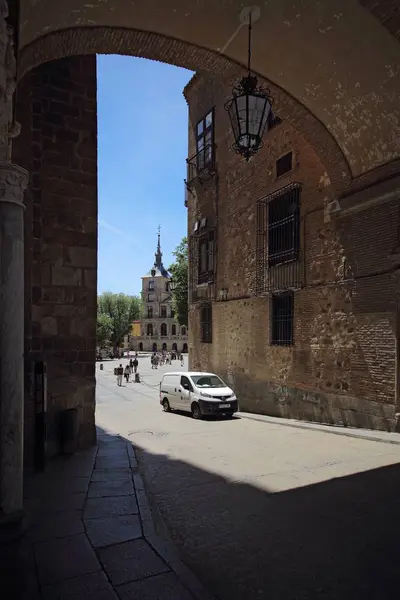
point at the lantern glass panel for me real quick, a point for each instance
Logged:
(234, 119)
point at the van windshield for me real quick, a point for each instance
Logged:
(208, 381)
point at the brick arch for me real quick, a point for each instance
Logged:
(154, 46)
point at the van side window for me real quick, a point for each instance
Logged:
(185, 383)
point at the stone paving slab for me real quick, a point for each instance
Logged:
(114, 506)
(64, 559)
(160, 587)
(88, 587)
(113, 530)
(131, 561)
(92, 534)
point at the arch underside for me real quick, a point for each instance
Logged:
(332, 67)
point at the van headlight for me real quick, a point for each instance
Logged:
(206, 395)
(232, 397)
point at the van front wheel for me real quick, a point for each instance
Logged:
(166, 406)
(196, 413)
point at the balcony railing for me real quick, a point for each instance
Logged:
(201, 166)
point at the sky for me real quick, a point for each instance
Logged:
(142, 151)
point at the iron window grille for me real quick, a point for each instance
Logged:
(206, 323)
(279, 267)
(149, 329)
(284, 164)
(163, 312)
(282, 319)
(150, 312)
(205, 258)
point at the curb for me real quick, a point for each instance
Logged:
(323, 428)
(164, 548)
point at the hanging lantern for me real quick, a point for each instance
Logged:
(172, 285)
(248, 111)
(153, 272)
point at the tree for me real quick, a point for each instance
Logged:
(119, 311)
(103, 329)
(179, 272)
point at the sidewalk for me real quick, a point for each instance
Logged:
(91, 532)
(364, 434)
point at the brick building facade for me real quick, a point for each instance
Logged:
(58, 146)
(292, 295)
(159, 329)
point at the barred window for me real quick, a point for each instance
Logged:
(206, 323)
(284, 227)
(163, 311)
(206, 258)
(150, 312)
(282, 320)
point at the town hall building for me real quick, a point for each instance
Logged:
(159, 329)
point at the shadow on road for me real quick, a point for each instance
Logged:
(339, 539)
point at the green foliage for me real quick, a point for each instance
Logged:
(103, 329)
(179, 273)
(118, 311)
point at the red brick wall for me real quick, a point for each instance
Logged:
(58, 145)
(342, 365)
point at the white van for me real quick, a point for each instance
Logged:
(196, 392)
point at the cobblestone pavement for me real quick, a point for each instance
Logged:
(259, 509)
(92, 536)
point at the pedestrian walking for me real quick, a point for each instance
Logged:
(127, 373)
(135, 365)
(120, 374)
(182, 361)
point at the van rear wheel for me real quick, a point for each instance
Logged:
(196, 412)
(166, 406)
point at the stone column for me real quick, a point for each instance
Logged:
(13, 181)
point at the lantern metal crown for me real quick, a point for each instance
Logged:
(248, 110)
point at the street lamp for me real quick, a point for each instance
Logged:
(172, 284)
(248, 111)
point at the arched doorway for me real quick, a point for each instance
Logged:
(140, 347)
(149, 329)
(164, 347)
(163, 330)
(173, 330)
(185, 348)
(154, 347)
(174, 347)
(183, 330)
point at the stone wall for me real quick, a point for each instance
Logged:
(58, 145)
(342, 366)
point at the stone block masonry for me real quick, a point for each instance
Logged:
(58, 146)
(343, 363)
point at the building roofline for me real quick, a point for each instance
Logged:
(190, 85)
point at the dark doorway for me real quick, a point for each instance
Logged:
(154, 347)
(174, 347)
(140, 347)
(164, 346)
(185, 348)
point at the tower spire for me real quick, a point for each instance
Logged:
(158, 255)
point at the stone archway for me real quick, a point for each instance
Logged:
(321, 62)
(328, 88)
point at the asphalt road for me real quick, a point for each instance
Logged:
(261, 510)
